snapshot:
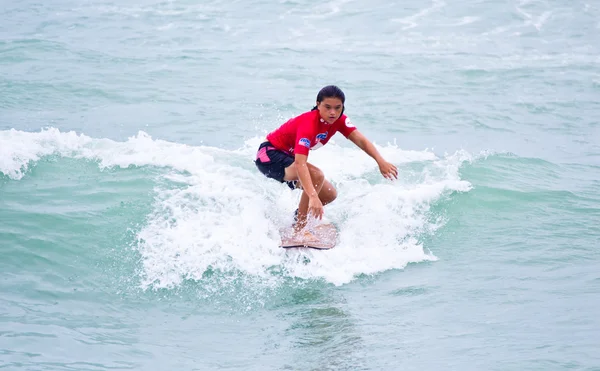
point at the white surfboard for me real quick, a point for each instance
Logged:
(321, 237)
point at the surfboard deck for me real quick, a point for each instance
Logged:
(322, 237)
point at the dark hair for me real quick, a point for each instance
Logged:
(331, 91)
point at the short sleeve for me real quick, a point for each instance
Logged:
(304, 136)
(346, 126)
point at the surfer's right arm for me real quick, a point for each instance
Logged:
(315, 206)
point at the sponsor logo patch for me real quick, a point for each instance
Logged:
(349, 123)
(305, 142)
(322, 136)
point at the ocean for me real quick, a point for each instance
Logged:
(137, 234)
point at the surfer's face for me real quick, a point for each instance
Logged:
(330, 109)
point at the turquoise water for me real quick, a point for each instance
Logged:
(136, 233)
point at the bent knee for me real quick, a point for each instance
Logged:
(316, 175)
(332, 193)
(328, 193)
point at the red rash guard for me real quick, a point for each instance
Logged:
(308, 132)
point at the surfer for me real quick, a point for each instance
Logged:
(283, 155)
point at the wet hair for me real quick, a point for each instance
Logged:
(331, 91)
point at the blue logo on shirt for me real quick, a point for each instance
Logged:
(322, 136)
(305, 142)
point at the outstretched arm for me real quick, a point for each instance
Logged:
(388, 170)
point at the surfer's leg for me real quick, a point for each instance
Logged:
(328, 193)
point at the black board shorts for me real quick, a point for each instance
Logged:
(272, 163)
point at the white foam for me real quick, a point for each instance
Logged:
(464, 21)
(18, 150)
(216, 212)
(411, 21)
(531, 20)
(332, 8)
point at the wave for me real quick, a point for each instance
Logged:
(213, 212)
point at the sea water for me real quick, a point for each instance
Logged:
(137, 233)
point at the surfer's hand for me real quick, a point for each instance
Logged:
(315, 207)
(389, 171)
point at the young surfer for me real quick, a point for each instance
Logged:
(283, 156)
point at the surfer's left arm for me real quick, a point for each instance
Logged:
(388, 170)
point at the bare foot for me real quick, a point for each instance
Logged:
(309, 237)
(304, 235)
